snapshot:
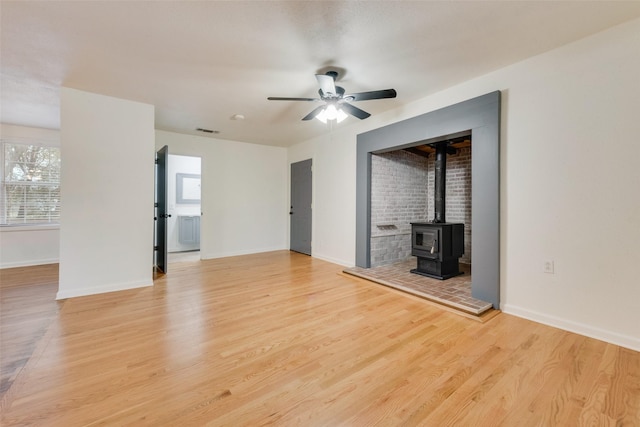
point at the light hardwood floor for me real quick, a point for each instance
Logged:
(284, 339)
(27, 308)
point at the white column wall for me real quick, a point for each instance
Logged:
(569, 178)
(106, 228)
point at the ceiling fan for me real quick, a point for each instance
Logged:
(336, 103)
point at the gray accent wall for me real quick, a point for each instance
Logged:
(481, 115)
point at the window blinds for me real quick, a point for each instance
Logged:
(30, 185)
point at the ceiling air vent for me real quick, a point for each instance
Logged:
(207, 130)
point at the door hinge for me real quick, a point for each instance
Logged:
(155, 205)
(155, 248)
(156, 161)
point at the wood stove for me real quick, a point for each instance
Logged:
(438, 245)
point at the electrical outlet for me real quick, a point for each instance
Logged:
(548, 266)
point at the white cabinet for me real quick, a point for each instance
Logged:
(189, 231)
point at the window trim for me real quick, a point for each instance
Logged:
(6, 228)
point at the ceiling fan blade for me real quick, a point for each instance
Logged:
(314, 113)
(374, 94)
(278, 98)
(354, 111)
(327, 84)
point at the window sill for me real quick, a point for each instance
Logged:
(34, 227)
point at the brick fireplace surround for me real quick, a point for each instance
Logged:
(402, 191)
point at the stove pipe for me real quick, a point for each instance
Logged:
(440, 182)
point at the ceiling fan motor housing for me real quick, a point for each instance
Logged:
(332, 96)
(333, 74)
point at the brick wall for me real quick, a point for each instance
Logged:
(398, 197)
(402, 192)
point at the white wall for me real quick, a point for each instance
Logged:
(179, 164)
(106, 228)
(334, 192)
(31, 245)
(564, 195)
(244, 204)
(26, 246)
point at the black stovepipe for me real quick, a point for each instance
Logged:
(440, 182)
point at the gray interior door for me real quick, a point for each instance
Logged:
(162, 161)
(300, 213)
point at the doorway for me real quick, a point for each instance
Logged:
(301, 207)
(184, 207)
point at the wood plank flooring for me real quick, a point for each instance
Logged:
(284, 339)
(27, 308)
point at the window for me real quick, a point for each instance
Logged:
(30, 192)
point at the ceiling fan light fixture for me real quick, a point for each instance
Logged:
(341, 115)
(330, 112)
(322, 116)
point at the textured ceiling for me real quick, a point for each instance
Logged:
(201, 62)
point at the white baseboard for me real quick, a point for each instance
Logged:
(28, 263)
(80, 292)
(333, 260)
(257, 251)
(626, 341)
(213, 255)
